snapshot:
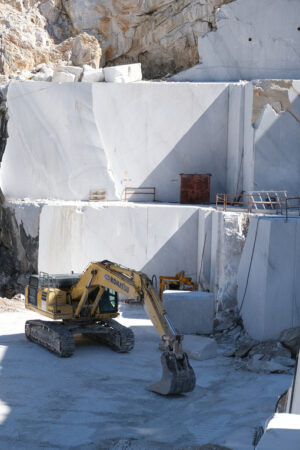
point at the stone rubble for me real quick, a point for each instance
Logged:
(262, 357)
(290, 339)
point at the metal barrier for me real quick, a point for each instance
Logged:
(291, 203)
(258, 200)
(139, 191)
(277, 202)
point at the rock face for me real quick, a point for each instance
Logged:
(162, 35)
(3, 121)
(18, 252)
(86, 50)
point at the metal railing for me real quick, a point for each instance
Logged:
(277, 202)
(291, 204)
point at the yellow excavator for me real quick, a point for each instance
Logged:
(88, 303)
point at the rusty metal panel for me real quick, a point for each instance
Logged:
(195, 188)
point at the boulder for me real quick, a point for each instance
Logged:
(63, 77)
(123, 74)
(290, 338)
(91, 75)
(74, 70)
(86, 50)
(199, 347)
(261, 366)
(45, 74)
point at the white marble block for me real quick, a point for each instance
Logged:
(268, 282)
(74, 70)
(190, 311)
(123, 74)
(91, 75)
(282, 432)
(63, 77)
(199, 348)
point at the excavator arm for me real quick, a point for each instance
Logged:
(178, 375)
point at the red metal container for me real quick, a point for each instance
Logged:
(195, 188)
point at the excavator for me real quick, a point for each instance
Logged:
(87, 304)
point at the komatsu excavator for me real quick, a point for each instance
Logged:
(88, 303)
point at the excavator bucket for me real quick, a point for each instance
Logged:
(178, 376)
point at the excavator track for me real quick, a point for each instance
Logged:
(118, 337)
(52, 336)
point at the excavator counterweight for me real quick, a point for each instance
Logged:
(88, 303)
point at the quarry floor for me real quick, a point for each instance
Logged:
(97, 398)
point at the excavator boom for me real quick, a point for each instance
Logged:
(178, 375)
(87, 303)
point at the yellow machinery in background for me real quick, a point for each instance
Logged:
(88, 303)
(179, 282)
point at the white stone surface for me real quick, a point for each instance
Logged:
(74, 70)
(268, 285)
(154, 239)
(190, 311)
(245, 46)
(219, 410)
(293, 396)
(70, 138)
(199, 348)
(164, 129)
(282, 432)
(54, 138)
(276, 141)
(91, 75)
(123, 74)
(60, 76)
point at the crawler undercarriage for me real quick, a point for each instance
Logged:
(58, 336)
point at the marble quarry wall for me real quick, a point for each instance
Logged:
(70, 138)
(251, 41)
(272, 136)
(268, 282)
(156, 239)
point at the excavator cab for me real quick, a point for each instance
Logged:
(108, 301)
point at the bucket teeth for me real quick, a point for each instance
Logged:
(178, 377)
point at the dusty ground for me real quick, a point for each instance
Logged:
(12, 304)
(97, 398)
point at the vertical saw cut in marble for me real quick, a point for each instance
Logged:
(163, 129)
(190, 311)
(56, 143)
(123, 73)
(282, 432)
(235, 144)
(251, 41)
(149, 238)
(268, 284)
(204, 248)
